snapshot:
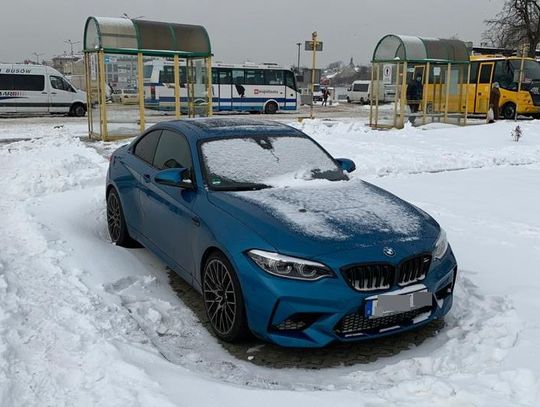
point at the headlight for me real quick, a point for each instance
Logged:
(289, 267)
(441, 245)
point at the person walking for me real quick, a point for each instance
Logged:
(414, 96)
(494, 100)
(325, 94)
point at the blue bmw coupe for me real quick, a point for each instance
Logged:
(274, 234)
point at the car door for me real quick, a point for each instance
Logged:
(170, 220)
(61, 94)
(483, 87)
(138, 163)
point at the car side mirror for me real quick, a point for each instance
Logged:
(346, 164)
(348, 89)
(174, 177)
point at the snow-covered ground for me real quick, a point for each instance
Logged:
(83, 322)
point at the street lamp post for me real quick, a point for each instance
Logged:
(71, 44)
(37, 55)
(298, 44)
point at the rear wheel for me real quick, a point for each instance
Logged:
(271, 108)
(78, 110)
(508, 111)
(223, 300)
(116, 222)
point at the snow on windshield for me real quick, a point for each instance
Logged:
(338, 210)
(258, 160)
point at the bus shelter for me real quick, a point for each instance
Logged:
(441, 69)
(186, 47)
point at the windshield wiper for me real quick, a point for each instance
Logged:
(240, 187)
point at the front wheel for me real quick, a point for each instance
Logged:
(78, 110)
(509, 111)
(223, 300)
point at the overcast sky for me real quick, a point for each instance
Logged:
(242, 30)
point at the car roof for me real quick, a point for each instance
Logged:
(215, 127)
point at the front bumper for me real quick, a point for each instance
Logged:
(313, 314)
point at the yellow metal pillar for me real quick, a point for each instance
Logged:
(523, 50)
(396, 94)
(467, 94)
(447, 96)
(209, 88)
(370, 100)
(177, 87)
(88, 80)
(403, 98)
(314, 62)
(102, 97)
(378, 80)
(425, 93)
(140, 86)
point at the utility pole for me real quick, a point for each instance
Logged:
(298, 44)
(315, 46)
(71, 44)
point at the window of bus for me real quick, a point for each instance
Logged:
(254, 77)
(531, 71)
(272, 77)
(289, 80)
(238, 76)
(504, 75)
(225, 76)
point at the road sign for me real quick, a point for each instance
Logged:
(309, 46)
(387, 74)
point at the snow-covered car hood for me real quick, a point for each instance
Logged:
(322, 216)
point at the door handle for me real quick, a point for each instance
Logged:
(196, 221)
(44, 93)
(146, 178)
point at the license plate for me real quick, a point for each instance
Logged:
(391, 304)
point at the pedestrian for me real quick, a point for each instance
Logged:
(325, 96)
(494, 100)
(414, 97)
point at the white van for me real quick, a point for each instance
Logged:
(38, 89)
(360, 92)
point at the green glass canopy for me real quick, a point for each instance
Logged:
(125, 36)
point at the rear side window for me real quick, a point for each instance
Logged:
(172, 151)
(289, 80)
(360, 87)
(22, 82)
(146, 147)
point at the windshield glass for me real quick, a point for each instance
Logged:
(262, 162)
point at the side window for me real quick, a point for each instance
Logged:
(146, 147)
(272, 77)
(58, 83)
(225, 76)
(254, 77)
(289, 80)
(474, 72)
(214, 76)
(23, 82)
(485, 73)
(238, 76)
(172, 151)
(69, 88)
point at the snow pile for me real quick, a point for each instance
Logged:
(431, 148)
(83, 322)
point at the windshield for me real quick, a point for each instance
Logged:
(236, 164)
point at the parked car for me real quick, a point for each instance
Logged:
(125, 96)
(277, 237)
(38, 89)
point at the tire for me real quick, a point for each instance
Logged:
(78, 110)
(223, 299)
(116, 223)
(508, 111)
(348, 99)
(271, 108)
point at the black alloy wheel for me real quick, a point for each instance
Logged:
(116, 222)
(223, 300)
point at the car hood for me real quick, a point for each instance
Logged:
(317, 217)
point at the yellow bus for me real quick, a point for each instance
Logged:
(485, 70)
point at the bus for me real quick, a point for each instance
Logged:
(485, 70)
(266, 88)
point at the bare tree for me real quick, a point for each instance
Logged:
(516, 24)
